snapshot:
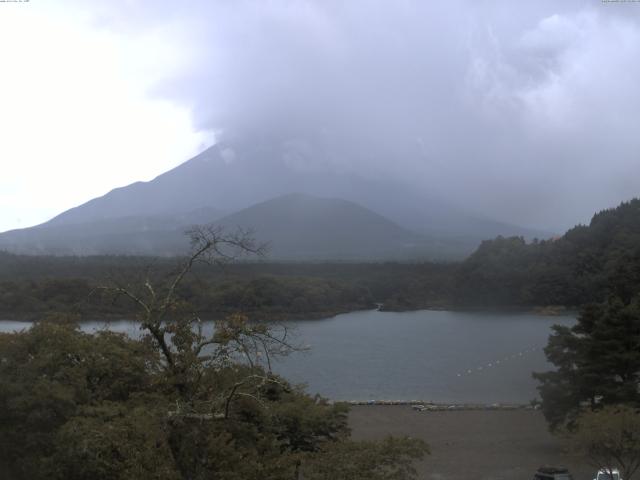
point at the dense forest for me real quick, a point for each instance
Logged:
(32, 286)
(586, 264)
(176, 403)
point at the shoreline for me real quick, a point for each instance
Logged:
(549, 311)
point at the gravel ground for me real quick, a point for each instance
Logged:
(466, 445)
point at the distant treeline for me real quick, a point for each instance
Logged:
(585, 265)
(32, 286)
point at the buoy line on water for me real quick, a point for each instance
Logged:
(420, 405)
(497, 362)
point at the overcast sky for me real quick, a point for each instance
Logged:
(525, 111)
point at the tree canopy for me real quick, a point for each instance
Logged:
(597, 360)
(610, 439)
(587, 263)
(178, 403)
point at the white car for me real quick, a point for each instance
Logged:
(605, 475)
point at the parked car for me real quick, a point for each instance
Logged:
(552, 473)
(605, 475)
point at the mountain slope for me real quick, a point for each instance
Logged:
(145, 235)
(299, 226)
(296, 227)
(232, 177)
(148, 217)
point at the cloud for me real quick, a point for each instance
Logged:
(526, 112)
(75, 119)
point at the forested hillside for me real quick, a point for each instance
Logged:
(585, 265)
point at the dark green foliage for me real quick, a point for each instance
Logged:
(494, 274)
(33, 286)
(80, 406)
(283, 296)
(52, 372)
(587, 263)
(597, 360)
(176, 404)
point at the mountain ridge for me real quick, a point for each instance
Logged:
(301, 226)
(232, 178)
(297, 226)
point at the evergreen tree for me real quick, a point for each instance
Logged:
(597, 360)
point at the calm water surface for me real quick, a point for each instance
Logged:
(426, 355)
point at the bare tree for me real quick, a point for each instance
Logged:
(610, 439)
(186, 350)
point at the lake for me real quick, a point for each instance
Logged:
(439, 356)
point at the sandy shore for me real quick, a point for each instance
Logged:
(466, 445)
